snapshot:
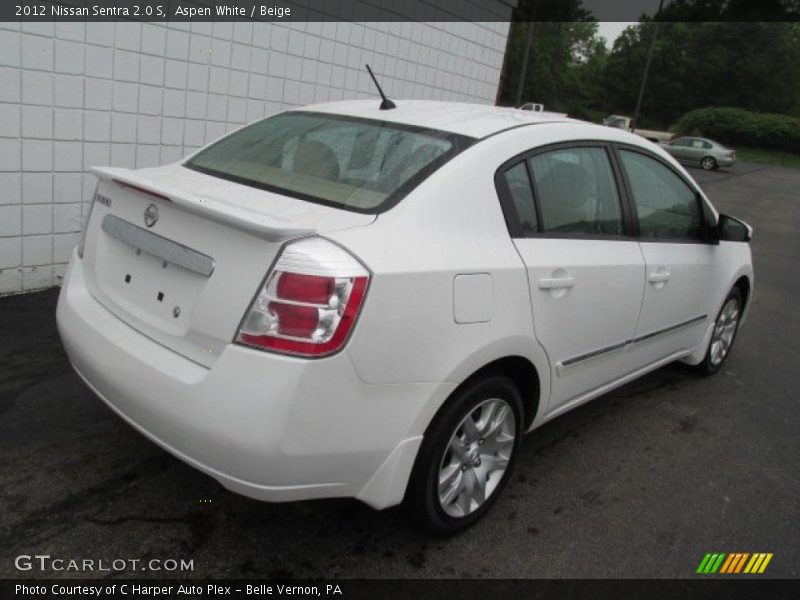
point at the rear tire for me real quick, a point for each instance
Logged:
(709, 163)
(467, 455)
(725, 327)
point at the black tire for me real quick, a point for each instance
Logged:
(709, 163)
(422, 497)
(709, 366)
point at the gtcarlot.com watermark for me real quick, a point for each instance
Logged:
(47, 563)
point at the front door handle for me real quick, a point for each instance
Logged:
(659, 276)
(555, 283)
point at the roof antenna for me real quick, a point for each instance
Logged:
(386, 104)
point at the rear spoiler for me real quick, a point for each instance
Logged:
(249, 221)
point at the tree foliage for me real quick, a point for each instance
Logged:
(731, 10)
(739, 126)
(565, 61)
(750, 65)
(565, 58)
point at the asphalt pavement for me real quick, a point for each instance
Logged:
(641, 482)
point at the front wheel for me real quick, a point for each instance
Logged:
(708, 163)
(466, 455)
(725, 328)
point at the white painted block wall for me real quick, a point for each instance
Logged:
(74, 95)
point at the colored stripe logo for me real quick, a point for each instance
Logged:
(734, 562)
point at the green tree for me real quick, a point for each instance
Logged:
(731, 10)
(564, 68)
(749, 65)
(746, 55)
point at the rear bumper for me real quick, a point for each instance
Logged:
(267, 426)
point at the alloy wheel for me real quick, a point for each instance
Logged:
(724, 330)
(476, 457)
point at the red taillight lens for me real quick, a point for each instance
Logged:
(305, 288)
(309, 303)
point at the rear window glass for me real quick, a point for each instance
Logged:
(356, 164)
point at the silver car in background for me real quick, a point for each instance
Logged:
(702, 152)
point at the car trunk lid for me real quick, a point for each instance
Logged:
(178, 254)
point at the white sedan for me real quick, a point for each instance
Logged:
(349, 301)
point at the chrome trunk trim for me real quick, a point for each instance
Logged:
(158, 246)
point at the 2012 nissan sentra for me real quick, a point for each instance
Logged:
(345, 301)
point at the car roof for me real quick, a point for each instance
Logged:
(473, 120)
(694, 137)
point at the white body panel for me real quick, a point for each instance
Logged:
(600, 305)
(676, 295)
(450, 292)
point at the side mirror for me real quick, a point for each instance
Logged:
(732, 229)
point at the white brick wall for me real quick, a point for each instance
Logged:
(74, 95)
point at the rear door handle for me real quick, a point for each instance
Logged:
(554, 283)
(659, 276)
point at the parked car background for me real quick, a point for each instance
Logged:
(623, 122)
(702, 152)
(537, 107)
(534, 106)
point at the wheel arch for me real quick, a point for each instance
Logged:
(743, 280)
(390, 483)
(524, 375)
(520, 370)
(745, 287)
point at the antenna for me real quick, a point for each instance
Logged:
(386, 104)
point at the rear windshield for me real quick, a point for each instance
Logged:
(356, 164)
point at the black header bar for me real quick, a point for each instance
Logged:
(396, 10)
(698, 588)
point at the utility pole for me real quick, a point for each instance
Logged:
(521, 84)
(635, 119)
(526, 55)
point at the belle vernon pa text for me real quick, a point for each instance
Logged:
(136, 589)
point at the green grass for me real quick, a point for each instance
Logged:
(768, 157)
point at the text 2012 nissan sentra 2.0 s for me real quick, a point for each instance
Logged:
(348, 301)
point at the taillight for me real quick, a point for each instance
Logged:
(309, 301)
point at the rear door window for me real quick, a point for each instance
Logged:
(576, 192)
(668, 209)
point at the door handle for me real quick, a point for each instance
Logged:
(554, 283)
(659, 276)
